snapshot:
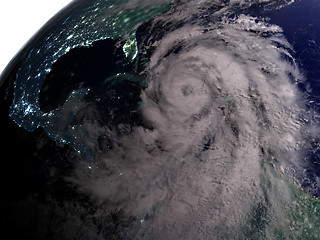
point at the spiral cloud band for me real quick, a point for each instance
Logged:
(225, 116)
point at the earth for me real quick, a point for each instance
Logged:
(165, 120)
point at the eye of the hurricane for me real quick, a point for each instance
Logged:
(187, 93)
(182, 88)
(187, 90)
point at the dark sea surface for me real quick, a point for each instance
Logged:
(300, 22)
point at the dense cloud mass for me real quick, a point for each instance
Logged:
(222, 105)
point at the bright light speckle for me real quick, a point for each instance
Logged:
(28, 110)
(69, 37)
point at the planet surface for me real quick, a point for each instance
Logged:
(165, 120)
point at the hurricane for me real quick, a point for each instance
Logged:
(215, 144)
(225, 127)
